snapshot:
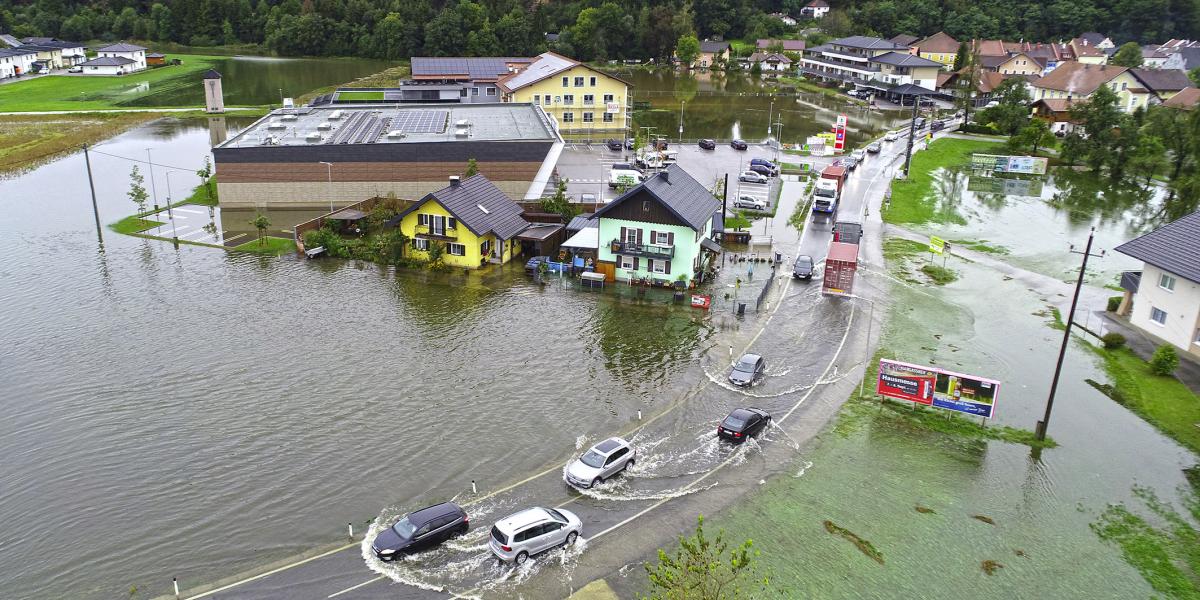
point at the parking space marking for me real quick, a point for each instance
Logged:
(188, 210)
(351, 589)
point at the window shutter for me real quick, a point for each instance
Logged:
(668, 267)
(635, 263)
(653, 236)
(670, 240)
(650, 264)
(422, 219)
(623, 235)
(639, 236)
(452, 223)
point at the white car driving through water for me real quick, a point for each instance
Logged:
(600, 462)
(532, 531)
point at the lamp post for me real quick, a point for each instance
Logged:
(329, 183)
(171, 217)
(153, 192)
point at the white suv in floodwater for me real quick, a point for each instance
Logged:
(600, 462)
(517, 537)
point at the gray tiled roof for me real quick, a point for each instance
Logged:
(903, 59)
(108, 61)
(501, 217)
(484, 67)
(581, 222)
(690, 201)
(869, 43)
(1163, 80)
(122, 48)
(19, 51)
(1174, 247)
(711, 46)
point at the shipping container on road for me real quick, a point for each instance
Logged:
(840, 264)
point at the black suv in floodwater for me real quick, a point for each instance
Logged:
(421, 530)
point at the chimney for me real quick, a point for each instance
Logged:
(665, 176)
(454, 181)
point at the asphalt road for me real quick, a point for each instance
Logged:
(682, 469)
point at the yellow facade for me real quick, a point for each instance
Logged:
(582, 105)
(442, 227)
(1020, 64)
(945, 59)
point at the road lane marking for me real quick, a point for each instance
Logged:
(188, 210)
(273, 571)
(351, 589)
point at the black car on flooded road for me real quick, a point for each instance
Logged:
(738, 145)
(614, 145)
(421, 530)
(743, 423)
(707, 144)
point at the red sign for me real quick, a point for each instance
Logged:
(905, 382)
(701, 301)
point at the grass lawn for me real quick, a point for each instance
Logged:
(133, 224)
(99, 92)
(201, 196)
(1162, 401)
(271, 246)
(359, 96)
(389, 77)
(911, 199)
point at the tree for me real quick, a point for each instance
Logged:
(515, 33)
(559, 203)
(472, 168)
(1096, 137)
(1194, 75)
(706, 569)
(436, 252)
(1034, 136)
(1164, 361)
(687, 49)
(1011, 112)
(260, 222)
(1128, 55)
(205, 175)
(960, 59)
(1147, 156)
(137, 189)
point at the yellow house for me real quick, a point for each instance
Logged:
(584, 102)
(1076, 81)
(1020, 64)
(938, 47)
(471, 219)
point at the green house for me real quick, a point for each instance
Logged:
(659, 231)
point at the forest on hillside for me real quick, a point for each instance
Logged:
(589, 29)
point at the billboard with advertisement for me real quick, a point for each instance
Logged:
(958, 392)
(1024, 165)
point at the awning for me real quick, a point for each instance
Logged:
(539, 232)
(710, 245)
(587, 238)
(347, 214)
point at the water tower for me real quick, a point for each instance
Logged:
(214, 98)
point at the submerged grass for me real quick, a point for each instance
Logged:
(863, 545)
(980, 246)
(27, 141)
(940, 275)
(912, 200)
(134, 224)
(1168, 555)
(271, 246)
(1162, 401)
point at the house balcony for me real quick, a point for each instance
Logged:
(837, 75)
(432, 233)
(646, 250)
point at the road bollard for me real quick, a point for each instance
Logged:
(350, 528)
(639, 415)
(731, 351)
(474, 490)
(175, 582)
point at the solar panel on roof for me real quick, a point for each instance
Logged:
(423, 121)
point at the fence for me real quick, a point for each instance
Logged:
(766, 290)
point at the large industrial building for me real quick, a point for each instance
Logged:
(310, 158)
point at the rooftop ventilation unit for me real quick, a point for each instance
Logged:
(325, 126)
(395, 134)
(335, 115)
(462, 123)
(313, 137)
(276, 125)
(288, 118)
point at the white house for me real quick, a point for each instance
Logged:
(815, 9)
(1165, 295)
(72, 53)
(134, 55)
(16, 61)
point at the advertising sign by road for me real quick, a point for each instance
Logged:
(936, 244)
(934, 387)
(1025, 165)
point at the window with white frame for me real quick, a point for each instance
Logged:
(608, 98)
(569, 99)
(568, 117)
(491, 91)
(1166, 282)
(420, 244)
(474, 91)
(589, 99)
(661, 238)
(546, 100)
(578, 82)
(658, 266)
(456, 249)
(537, 98)
(588, 117)
(626, 262)
(1158, 316)
(608, 117)
(631, 236)
(566, 81)
(592, 82)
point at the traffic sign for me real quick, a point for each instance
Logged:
(936, 244)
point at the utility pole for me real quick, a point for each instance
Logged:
(682, 105)
(91, 184)
(1040, 430)
(329, 183)
(770, 117)
(174, 234)
(912, 132)
(153, 192)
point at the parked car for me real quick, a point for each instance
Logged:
(850, 162)
(762, 170)
(891, 136)
(859, 155)
(738, 145)
(743, 423)
(660, 144)
(420, 530)
(752, 177)
(750, 202)
(748, 370)
(532, 264)
(614, 145)
(629, 143)
(600, 462)
(518, 536)
(766, 163)
(937, 126)
(75, 69)
(803, 267)
(874, 147)
(920, 122)
(708, 144)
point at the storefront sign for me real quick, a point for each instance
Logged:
(613, 108)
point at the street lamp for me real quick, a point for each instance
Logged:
(153, 192)
(329, 183)
(170, 216)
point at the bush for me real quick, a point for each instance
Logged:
(977, 128)
(1164, 361)
(1114, 302)
(1112, 341)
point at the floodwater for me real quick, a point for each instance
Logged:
(1037, 219)
(257, 80)
(726, 106)
(196, 413)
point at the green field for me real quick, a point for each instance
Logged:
(269, 245)
(359, 96)
(97, 92)
(916, 199)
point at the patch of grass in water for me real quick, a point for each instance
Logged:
(134, 224)
(863, 545)
(990, 566)
(1164, 402)
(984, 519)
(1167, 556)
(979, 246)
(925, 510)
(940, 275)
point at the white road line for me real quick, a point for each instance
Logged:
(351, 589)
(238, 236)
(191, 233)
(188, 210)
(272, 572)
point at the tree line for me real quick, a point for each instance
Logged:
(588, 29)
